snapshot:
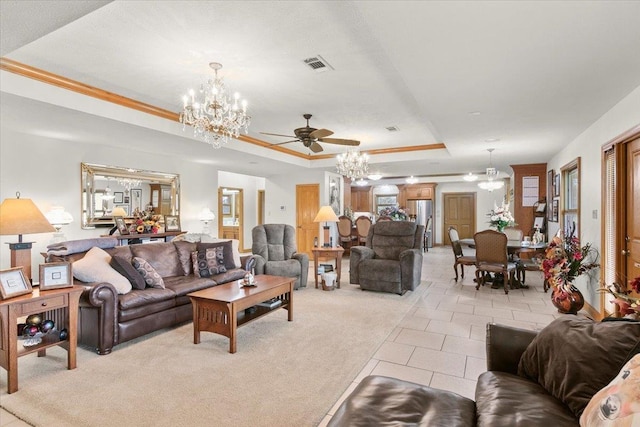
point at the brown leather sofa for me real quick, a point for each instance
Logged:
(533, 379)
(106, 318)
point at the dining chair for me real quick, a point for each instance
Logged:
(516, 235)
(492, 257)
(345, 226)
(460, 258)
(427, 234)
(363, 224)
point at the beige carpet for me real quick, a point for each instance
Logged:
(284, 373)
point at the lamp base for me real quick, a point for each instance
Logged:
(21, 257)
(326, 243)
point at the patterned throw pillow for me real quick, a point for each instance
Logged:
(209, 262)
(618, 404)
(151, 276)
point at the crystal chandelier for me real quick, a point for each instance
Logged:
(492, 174)
(129, 183)
(214, 115)
(353, 164)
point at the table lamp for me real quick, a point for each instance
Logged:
(327, 215)
(58, 217)
(22, 216)
(205, 216)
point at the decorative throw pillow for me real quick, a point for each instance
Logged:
(235, 248)
(124, 267)
(184, 253)
(94, 267)
(229, 262)
(150, 275)
(618, 404)
(209, 262)
(574, 357)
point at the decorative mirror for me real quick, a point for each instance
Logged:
(105, 188)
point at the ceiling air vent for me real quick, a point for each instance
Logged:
(393, 128)
(318, 64)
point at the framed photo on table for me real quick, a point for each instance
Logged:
(55, 275)
(171, 223)
(13, 283)
(121, 225)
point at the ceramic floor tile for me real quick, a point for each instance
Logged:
(449, 328)
(456, 307)
(462, 386)
(346, 393)
(471, 319)
(465, 346)
(434, 314)
(406, 373)
(6, 418)
(532, 317)
(392, 336)
(394, 352)
(479, 333)
(438, 361)
(474, 368)
(496, 313)
(414, 322)
(420, 339)
(521, 306)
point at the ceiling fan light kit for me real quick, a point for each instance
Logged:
(213, 114)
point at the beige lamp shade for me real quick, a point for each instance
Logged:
(118, 212)
(326, 214)
(21, 216)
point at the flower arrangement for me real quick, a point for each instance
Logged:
(565, 260)
(145, 222)
(627, 305)
(394, 212)
(500, 217)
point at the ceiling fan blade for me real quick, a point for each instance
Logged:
(340, 141)
(315, 147)
(277, 134)
(286, 142)
(320, 133)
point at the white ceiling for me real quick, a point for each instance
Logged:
(538, 73)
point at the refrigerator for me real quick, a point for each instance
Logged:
(422, 211)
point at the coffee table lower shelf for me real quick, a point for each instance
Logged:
(221, 309)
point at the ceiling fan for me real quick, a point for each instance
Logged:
(310, 137)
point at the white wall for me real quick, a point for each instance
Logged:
(588, 146)
(47, 171)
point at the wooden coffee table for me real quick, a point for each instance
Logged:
(221, 309)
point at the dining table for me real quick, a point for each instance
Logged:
(513, 247)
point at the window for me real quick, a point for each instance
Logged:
(570, 199)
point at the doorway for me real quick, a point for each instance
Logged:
(307, 206)
(230, 214)
(460, 212)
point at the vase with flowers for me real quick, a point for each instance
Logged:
(628, 305)
(564, 261)
(500, 217)
(145, 222)
(393, 212)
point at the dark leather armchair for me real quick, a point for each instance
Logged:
(275, 252)
(391, 261)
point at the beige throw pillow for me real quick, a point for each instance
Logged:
(94, 267)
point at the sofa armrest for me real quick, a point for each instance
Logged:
(411, 267)
(505, 345)
(98, 316)
(247, 262)
(358, 253)
(303, 259)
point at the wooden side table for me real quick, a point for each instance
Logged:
(59, 305)
(333, 253)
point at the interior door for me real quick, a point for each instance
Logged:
(460, 212)
(633, 210)
(307, 206)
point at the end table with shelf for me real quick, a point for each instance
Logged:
(331, 253)
(60, 305)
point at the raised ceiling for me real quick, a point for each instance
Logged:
(522, 77)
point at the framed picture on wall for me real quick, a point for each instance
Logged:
(556, 185)
(118, 197)
(554, 210)
(550, 178)
(335, 193)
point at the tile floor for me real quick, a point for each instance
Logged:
(441, 341)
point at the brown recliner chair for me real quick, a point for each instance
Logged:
(391, 261)
(275, 253)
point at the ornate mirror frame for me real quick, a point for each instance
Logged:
(91, 174)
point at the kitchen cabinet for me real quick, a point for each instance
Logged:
(361, 199)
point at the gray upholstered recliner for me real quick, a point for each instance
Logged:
(274, 249)
(391, 261)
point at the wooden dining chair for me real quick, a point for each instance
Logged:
(345, 226)
(460, 258)
(492, 257)
(363, 224)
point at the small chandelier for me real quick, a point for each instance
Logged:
(353, 164)
(492, 174)
(215, 117)
(129, 183)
